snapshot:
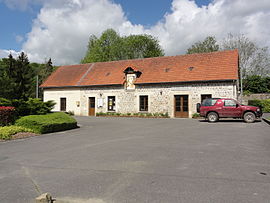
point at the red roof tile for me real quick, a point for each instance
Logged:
(221, 65)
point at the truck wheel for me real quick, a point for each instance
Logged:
(249, 117)
(212, 117)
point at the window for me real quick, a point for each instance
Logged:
(143, 103)
(209, 102)
(230, 102)
(63, 104)
(205, 96)
(111, 103)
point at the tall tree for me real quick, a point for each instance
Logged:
(21, 74)
(208, 45)
(141, 46)
(111, 47)
(45, 70)
(253, 60)
(6, 84)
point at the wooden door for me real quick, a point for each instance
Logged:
(92, 106)
(181, 106)
(63, 104)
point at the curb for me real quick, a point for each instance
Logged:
(266, 120)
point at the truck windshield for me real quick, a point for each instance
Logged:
(209, 102)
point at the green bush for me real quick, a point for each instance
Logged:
(263, 104)
(5, 102)
(7, 131)
(195, 115)
(38, 107)
(48, 123)
(29, 107)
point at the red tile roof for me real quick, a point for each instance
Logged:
(221, 65)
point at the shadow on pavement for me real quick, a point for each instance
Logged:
(228, 121)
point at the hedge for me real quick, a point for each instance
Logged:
(263, 104)
(48, 123)
(7, 131)
(7, 115)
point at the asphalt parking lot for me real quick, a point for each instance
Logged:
(115, 160)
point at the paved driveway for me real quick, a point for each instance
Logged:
(141, 160)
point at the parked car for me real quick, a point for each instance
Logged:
(214, 108)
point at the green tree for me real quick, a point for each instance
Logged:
(141, 46)
(21, 74)
(111, 47)
(256, 84)
(208, 45)
(6, 84)
(45, 70)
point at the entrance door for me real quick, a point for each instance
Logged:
(91, 106)
(181, 106)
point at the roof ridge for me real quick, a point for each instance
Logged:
(85, 74)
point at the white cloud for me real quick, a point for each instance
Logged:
(62, 28)
(19, 38)
(4, 53)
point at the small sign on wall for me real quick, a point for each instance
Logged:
(99, 102)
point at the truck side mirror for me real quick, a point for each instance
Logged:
(237, 105)
(198, 107)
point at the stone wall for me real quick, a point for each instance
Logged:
(160, 97)
(255, 96)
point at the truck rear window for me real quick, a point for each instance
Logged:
(209, 102)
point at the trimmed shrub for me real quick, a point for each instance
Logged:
(263, 104)
(48, 123)
(7, 131)
(7, 115)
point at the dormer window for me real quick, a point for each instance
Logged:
(131, 75)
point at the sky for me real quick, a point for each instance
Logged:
(60, 29)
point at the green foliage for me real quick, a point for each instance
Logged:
(7, 131)
(208, 45)
(18, 77)
(29, 107)
(5, 102)
(195, 115)
(263, 104)
(71, 113)
(111, 47)
(48, 123)
(38, 107)
(21, 74)
(256, 84)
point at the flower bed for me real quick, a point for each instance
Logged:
(140, 115)
(7, 132)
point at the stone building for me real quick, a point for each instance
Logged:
(171, 84)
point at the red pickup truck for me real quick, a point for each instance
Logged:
(215, 108)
